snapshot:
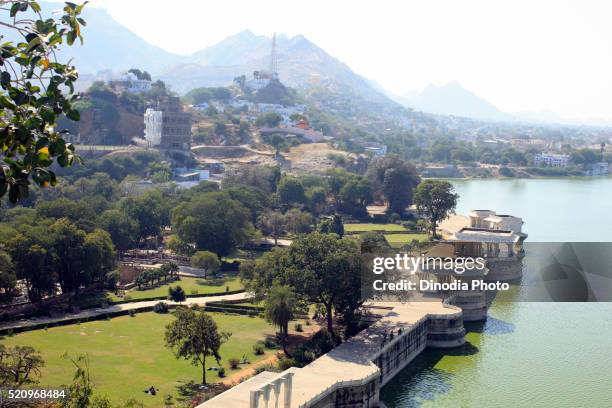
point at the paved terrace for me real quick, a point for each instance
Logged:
(351, 361)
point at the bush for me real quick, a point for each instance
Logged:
(266, 367)
(285, 363)
(258, 349)
(132, 312)
(395, 217)
(221, 372)
(307, 322)
(160, 307)
(298, 327)
(270, 344)
(233, 363)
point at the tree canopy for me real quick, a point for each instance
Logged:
(36, 89)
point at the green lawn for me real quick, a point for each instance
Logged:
(189, 285)
(397, 240)
(372, 227)
(127, 354)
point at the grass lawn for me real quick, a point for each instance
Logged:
(372, 227)
(189, 285)
(127, 354)
(397, 240)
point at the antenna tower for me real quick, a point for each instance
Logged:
(273, 60)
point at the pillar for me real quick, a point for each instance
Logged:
(254, 399)
(288, 377)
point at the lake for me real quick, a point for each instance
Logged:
(526, 354)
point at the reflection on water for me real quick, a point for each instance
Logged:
(525, 354)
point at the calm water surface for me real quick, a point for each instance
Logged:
(526, 354)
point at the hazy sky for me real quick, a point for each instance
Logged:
(520, 55)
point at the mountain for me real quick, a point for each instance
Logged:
(452, 99)
(110, 45)
(300, 63)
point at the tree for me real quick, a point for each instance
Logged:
(195, 336)
(437, 200)
(123, 230)
(176, 294)
(8, 279)
(99, 256)
(67, 243)
(206, 260)
(321, 269)
(36, 90)
(151, 210)
(213, 221)
(268, 119)
(394, 179)
(333, 225)
(19, 366)
(316, 199)
(291, 191)
(34, 264)
(272, 223)
(279, 307)
(355, 196)
(298, 222)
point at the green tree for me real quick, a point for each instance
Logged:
(316, 199)
(206, 260)
(394, 179)
(151, 210)
(437, 200)
(291, 191)
(298, 222)
(333, 225)
(37, 89)
(176, 294)
(355, 196)
(19, 366)
(321, 269)
(213, 221)
(269, 119)
(279, 308)
(272, 223)
(194, 336)
(123, 230)
(8, 279)
(98, 256)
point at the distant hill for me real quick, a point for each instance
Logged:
(452, 99)
(110, 45)
(301, 64)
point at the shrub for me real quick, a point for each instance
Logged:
(221, 372)
(307, 322)
(132, 312)
(266, 367)
(258, 349)
(160, 307)
(270, 344)
(233, 363)
(298, 327)
(285, 363)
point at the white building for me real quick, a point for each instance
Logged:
(153, 120)
(551, 160)
(130, 83)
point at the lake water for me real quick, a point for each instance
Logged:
(526, 354)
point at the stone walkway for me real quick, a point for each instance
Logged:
(114, 309)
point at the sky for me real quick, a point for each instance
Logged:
(535, 55)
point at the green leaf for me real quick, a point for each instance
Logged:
(74, 114)
(5, 79)
(14, 9)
